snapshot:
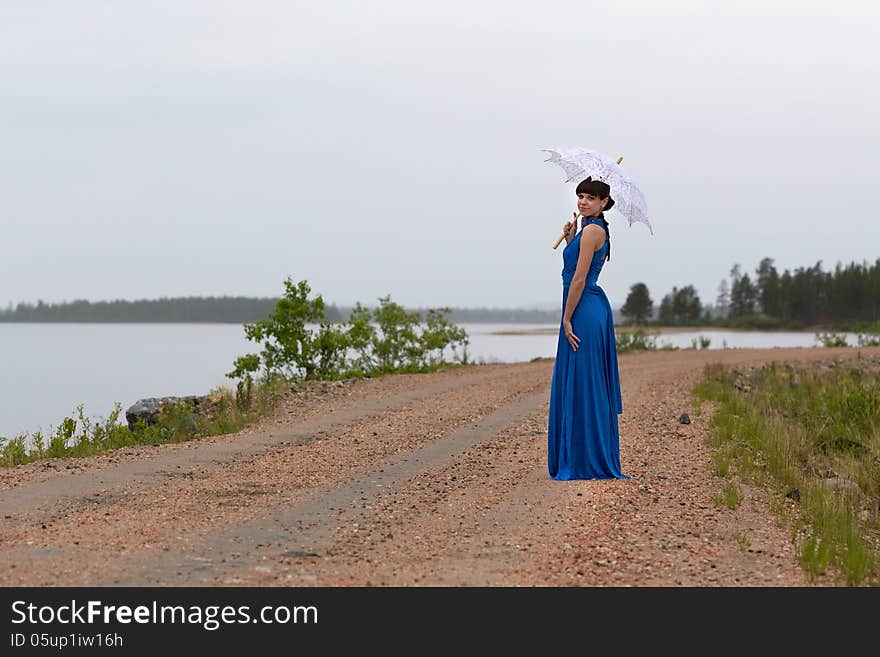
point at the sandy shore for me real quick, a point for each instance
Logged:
(436, 479)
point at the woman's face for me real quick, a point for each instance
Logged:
(590, 205)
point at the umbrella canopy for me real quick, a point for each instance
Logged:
(580, 163)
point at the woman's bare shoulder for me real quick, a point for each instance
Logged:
(596, 235)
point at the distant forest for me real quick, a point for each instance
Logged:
(807, 296)
(229, 310)
(804, 297)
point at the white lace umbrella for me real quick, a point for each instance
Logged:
(578, 163)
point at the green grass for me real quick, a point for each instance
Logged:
(795, 427)
(700, 342)
(722, 464)
(79, 436)
(831, 339)
(730, 497)
(640, 340)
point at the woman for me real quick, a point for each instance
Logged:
(583, 438)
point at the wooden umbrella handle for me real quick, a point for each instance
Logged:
(562, 237)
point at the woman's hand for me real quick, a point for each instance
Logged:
(573, 340)
(570, 228)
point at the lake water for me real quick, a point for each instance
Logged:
(47, 370)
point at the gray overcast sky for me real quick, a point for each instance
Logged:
(392, 147)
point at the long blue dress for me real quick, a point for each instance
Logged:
(583, 437)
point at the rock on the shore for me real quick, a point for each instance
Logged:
(152, 408)
(840, 483)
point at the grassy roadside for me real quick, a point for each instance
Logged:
(811, 435)
(77, 437)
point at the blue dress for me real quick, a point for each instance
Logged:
(583, 438)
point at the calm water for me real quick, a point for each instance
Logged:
(46, 370)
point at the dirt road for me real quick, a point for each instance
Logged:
(436, 479)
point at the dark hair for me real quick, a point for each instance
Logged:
(602, 190)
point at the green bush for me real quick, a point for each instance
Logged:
(288, 345)
(638, 340)
(832, 339)
(439, 334)
(398, 347)
(388, 339)
(700, 342)
(13, 451)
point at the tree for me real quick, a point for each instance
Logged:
(785, 286)
(734, 274)
(768, 290)
(680, 306)
(722, 302)
(665, 316)
(743, 295)
(686, 306)
(638, 306)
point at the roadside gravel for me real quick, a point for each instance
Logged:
(435, 479)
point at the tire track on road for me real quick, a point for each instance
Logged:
(235, 447)
(53, 557)
(656, 528)
(305, 528)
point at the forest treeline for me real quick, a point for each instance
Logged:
(806, 297)
(233, 310)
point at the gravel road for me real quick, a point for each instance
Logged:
(436, 479)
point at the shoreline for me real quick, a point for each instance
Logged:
(661, 330)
